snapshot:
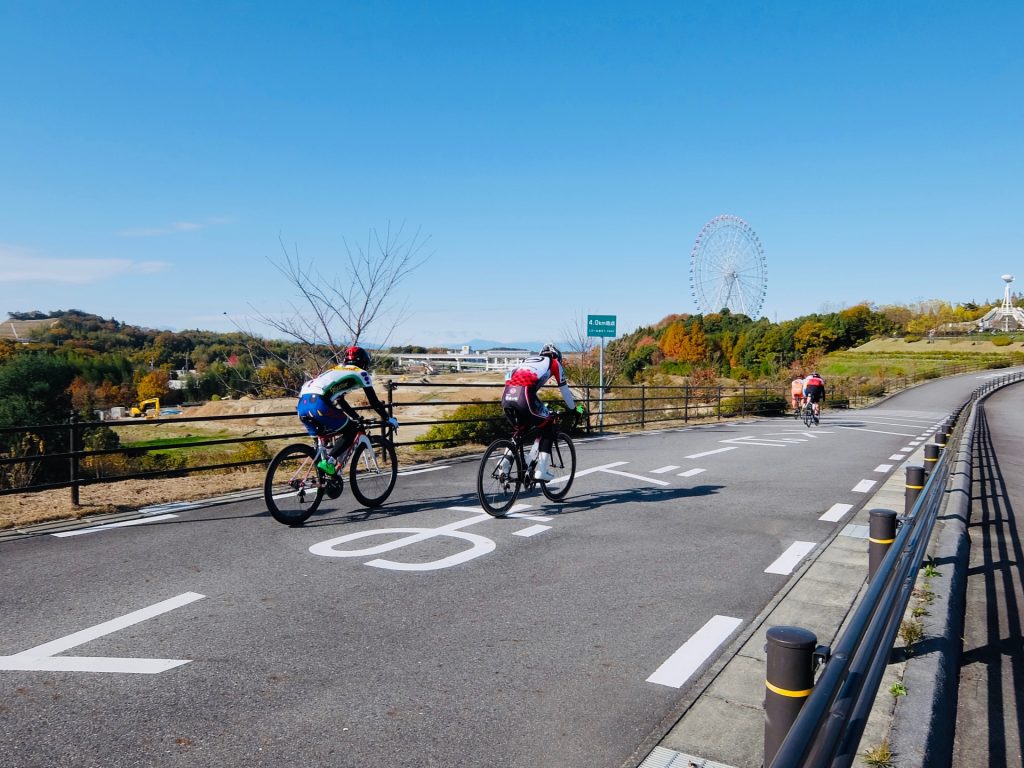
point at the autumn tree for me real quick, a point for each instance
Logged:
(154, 384)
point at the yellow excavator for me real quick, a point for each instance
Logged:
(143, 408)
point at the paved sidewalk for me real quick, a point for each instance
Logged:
(722, 723)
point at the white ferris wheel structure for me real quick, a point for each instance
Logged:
(728, 269)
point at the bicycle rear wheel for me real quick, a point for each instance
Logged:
(499, 477)
(373, 472)
(563, 467)
(293, 488)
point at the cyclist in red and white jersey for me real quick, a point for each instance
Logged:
(814, 390)
(523, 407)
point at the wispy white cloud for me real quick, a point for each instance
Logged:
(23, 265)
(175, 228)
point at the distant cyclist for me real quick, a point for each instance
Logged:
(814, 391)
(322, 407)
(796, 392)
(523, 407)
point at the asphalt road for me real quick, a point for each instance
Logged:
(427, 633)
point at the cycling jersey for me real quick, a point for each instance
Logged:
(322, 407)
(529, 376)
(814, 388)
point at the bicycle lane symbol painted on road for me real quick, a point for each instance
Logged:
(479, 545)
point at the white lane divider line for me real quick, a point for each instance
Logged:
(751, 440)
(906, 449)
(877, 431)
(863, 486)
(663, 470)
(533, 530)
(43, 657)
(123, 524)
(897, 457)
(789, 560)
(710, 453)
(681, 665)
(421, 471)
(883, 467)
(634, 477)
(835, 513)
(915, 442)
(692, 472)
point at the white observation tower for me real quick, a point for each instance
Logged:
(1006, 316)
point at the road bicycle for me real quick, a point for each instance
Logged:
(295, 484)
(808, 414)
(506, 469)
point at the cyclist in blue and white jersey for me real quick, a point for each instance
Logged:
(322, 407)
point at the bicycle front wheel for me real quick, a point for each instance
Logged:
(499, 478)
(292, 488)
(563, 467)
(373, 472)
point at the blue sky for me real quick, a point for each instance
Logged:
(561, 157)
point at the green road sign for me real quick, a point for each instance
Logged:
(601, 325)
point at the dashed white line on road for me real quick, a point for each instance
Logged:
(789, 560)
(681, 665)
(878, 431)
(864, 486)
(897, 457)
(835, 513)
(533, 530)
(710, 453)
(692, 472)
(123, 524)
(883, 467)
(906, 449)
(916, 442)
(663, 470)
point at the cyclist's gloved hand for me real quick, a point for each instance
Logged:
(394, 423)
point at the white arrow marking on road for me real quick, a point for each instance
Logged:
(681, 665)
(42, 658)
(709, 453)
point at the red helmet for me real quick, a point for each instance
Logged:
(358, 357)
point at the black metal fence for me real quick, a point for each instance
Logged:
(56, 457)
(829, 726)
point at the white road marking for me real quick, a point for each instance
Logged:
(634, 477)
(42, 658)
(681, 665)
(692, 472)
(863, 486)
(752, 441)
(421, 471)
(710, 453)
(877, 431)
(616, 437)
(883, 467)
(123, 524)
(663, 470)
(583, 472)
(835, 513)
(533, 530)
(789, 560)
(897, 457)
(907, 449)
(170, 506)
(916, 442)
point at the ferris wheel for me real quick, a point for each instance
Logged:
(728, 268)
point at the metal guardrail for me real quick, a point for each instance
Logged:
(622, 407)
(829, 726)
